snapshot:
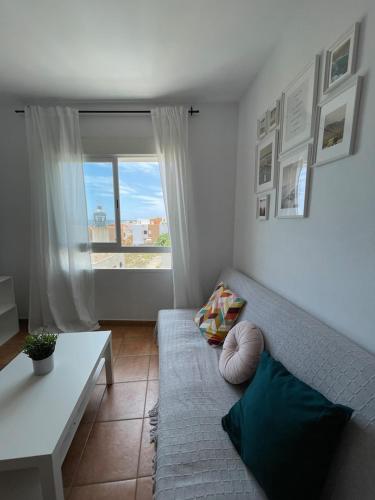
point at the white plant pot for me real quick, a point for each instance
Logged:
(43, 366)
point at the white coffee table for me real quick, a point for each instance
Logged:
(39, 415)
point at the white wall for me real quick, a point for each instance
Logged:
(326, 262)
(128, 294)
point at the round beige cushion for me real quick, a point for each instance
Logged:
(241, 351)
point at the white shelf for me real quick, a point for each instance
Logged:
(9, 325)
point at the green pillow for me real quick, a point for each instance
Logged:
(285, 432)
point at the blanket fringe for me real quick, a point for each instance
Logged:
(154, 420)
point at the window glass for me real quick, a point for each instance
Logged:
(100, 199)
(142, 209)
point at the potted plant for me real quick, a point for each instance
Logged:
(40, 346)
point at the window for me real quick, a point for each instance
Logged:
(128, 227)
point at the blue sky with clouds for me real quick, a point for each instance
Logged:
(141, 195)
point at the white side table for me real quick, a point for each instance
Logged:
(39, 415)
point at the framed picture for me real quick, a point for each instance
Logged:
(266, 155)
(263, 206)
(341, 59)
(273, 116)
(262, 126)
(293, 188)
(337, 122)
(299, 101)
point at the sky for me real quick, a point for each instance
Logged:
(141, 194)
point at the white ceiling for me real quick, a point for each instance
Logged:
(157, 50)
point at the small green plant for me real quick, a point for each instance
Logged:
(164, 240)
(40, 345)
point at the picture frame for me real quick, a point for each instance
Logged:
(263, 207)
(273, 116)
(293, 185)
(262, 126)
(299, 107)
(341, 59)
(337, 124)
(265, 163)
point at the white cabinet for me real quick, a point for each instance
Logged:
(9, 325)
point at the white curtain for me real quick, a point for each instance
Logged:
(61, 277)
(170, 125)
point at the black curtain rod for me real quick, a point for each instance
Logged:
(192, 111)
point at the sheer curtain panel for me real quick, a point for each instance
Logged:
(170, 125)
(61, 277)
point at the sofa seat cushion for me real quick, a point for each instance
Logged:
(195, 457)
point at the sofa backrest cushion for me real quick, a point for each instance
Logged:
(325, 359)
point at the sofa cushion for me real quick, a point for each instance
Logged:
(217, 317)
(286, 432)
(241, 352)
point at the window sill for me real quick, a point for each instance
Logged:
(133, 270)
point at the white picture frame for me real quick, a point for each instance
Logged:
(265, 163)
(293, 185)
(337, 124)
(262, 126)
(341, 59)
(263, 207)
(299, 107)
(273, 116)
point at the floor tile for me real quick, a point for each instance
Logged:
(93, 404)
(131, 368)
(154, 347)
(119, 490)
(152, 395)
(138, 331)
(102, 379)
(144, 488)
(147, 451)
(18, 339)
(111, 453)
(116, 346)
(123, 400)
(72, 459)
(132, 346)
(154, 367)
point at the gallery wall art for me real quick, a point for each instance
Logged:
(299, 107)
(266, 158)
(337, 123)
(303, 129)
(294, 183)
(263, 206)
(341, 59)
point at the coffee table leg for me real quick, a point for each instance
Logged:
(51, 479)
(108, 363)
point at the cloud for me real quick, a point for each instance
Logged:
(141, 166)
(125, 189)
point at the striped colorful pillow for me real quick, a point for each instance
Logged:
(217, 317)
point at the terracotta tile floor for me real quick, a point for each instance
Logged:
(110, 457)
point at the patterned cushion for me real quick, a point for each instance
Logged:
(217, 317)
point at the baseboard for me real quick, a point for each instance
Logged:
(106, 322)
(127, 322)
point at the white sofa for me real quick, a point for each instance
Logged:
(195, 458)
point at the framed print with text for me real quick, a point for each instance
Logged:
(299, 102)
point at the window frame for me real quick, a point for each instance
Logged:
(116, 247)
